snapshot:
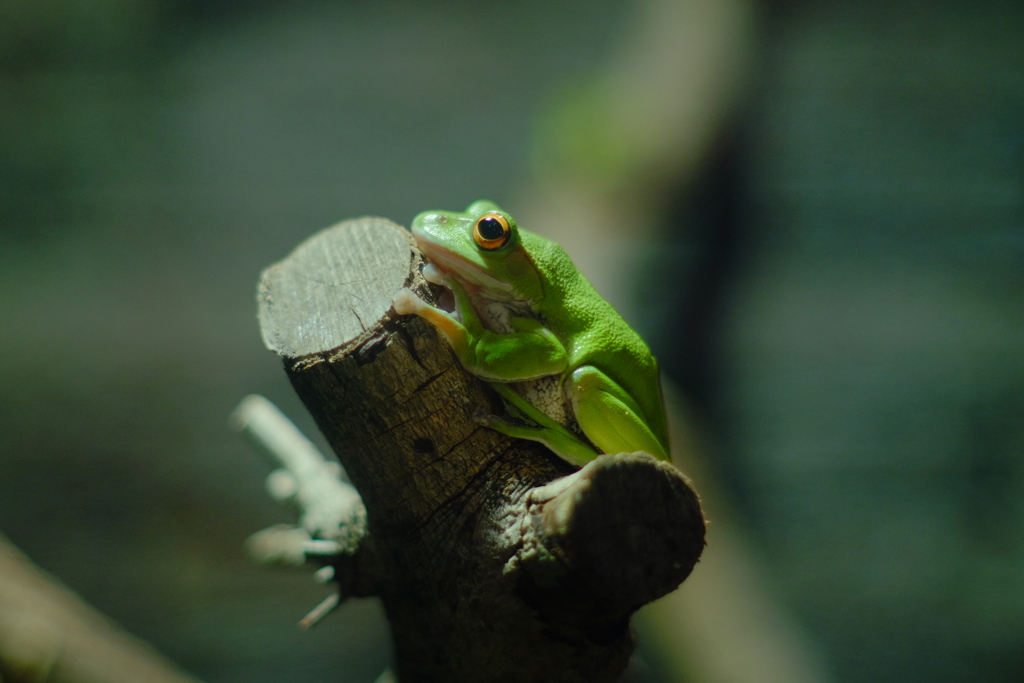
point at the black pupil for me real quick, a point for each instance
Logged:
(491, 229)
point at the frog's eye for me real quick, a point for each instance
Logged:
(492, 231)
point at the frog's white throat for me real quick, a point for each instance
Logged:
(493, 300)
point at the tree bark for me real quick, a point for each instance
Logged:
(495, 560)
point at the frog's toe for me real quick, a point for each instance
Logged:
(406, 302)
(433, 274)
(484, 418)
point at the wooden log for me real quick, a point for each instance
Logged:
(495, 560)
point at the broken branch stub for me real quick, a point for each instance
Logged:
(494, 559)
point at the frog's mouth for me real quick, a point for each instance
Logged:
(492, 299)
(466, 272)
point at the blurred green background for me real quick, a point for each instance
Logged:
(838, 287)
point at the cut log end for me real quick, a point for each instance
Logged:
(629, 505)
(333, 289)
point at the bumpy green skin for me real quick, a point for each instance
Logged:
(525, 312)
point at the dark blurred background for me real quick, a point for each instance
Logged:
(835, 285)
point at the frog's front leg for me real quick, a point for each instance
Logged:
(530, 351)
(609, 416)
(408, 303)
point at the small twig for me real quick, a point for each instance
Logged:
(328, 605)
(332, 518)
(332, 513)
(284, 543)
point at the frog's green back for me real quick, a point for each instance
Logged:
(593, 332)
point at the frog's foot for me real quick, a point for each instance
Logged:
(559, 440)
(482, 417)
(434, 275)
(564, 443)
(501, 423)
(407, 303)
